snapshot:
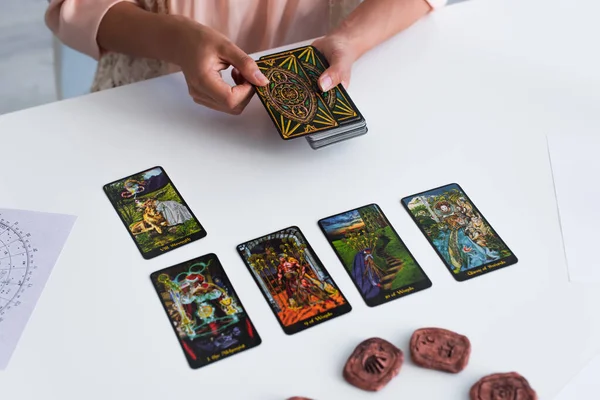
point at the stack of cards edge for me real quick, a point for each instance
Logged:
(320, 140)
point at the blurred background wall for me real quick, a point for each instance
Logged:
(34, 68)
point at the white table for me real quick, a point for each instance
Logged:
(466, 95)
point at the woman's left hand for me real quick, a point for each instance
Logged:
(371, 23)
(341, 55)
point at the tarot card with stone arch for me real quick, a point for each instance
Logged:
(294, 282)
(292, 104)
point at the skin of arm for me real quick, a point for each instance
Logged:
(371, 23)
(201, 52)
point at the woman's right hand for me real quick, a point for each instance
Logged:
(202, 54)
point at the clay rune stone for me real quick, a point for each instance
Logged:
(373, 364)
(510, 386)
(440, 349)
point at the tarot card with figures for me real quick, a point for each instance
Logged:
(375, 257)
(458, 232)
(294, 282)
(296, 95)
(204, 310)
(153, 211)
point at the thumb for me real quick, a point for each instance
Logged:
(237, 76)
(334, 75)
(245, 65)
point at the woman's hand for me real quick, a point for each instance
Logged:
(371, 23)
(341, 55)
(203, 54)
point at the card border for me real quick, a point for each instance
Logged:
(419, 286)
(298, 326)
(194, 364)
(157, 252)
(463, 276)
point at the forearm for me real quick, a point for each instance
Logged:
(128, 29)
(388, 17)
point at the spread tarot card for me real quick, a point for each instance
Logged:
(459, 233)
(373, 254)
(293, 280)
(153, 211)
(205, 311)
(293, 93)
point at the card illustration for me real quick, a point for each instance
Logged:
(153, 211)
(373, 254)
(293, 280)
(205, 311)
(461, 236)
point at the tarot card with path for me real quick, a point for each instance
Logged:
(373, 254)
(299, 108)
(458, 232)
(294, 282)
(153, 211)
(204, 310)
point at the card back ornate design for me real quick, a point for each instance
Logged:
(291, 96)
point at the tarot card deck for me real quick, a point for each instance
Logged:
(298, 107)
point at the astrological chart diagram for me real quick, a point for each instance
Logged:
(17, 265)
(30, 243)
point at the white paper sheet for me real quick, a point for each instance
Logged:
(585, 386)
(576, 169)
(30, 243)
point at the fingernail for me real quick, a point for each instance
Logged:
(261, 77)
(325, 83)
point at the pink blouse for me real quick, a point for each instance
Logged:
(253, 25)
